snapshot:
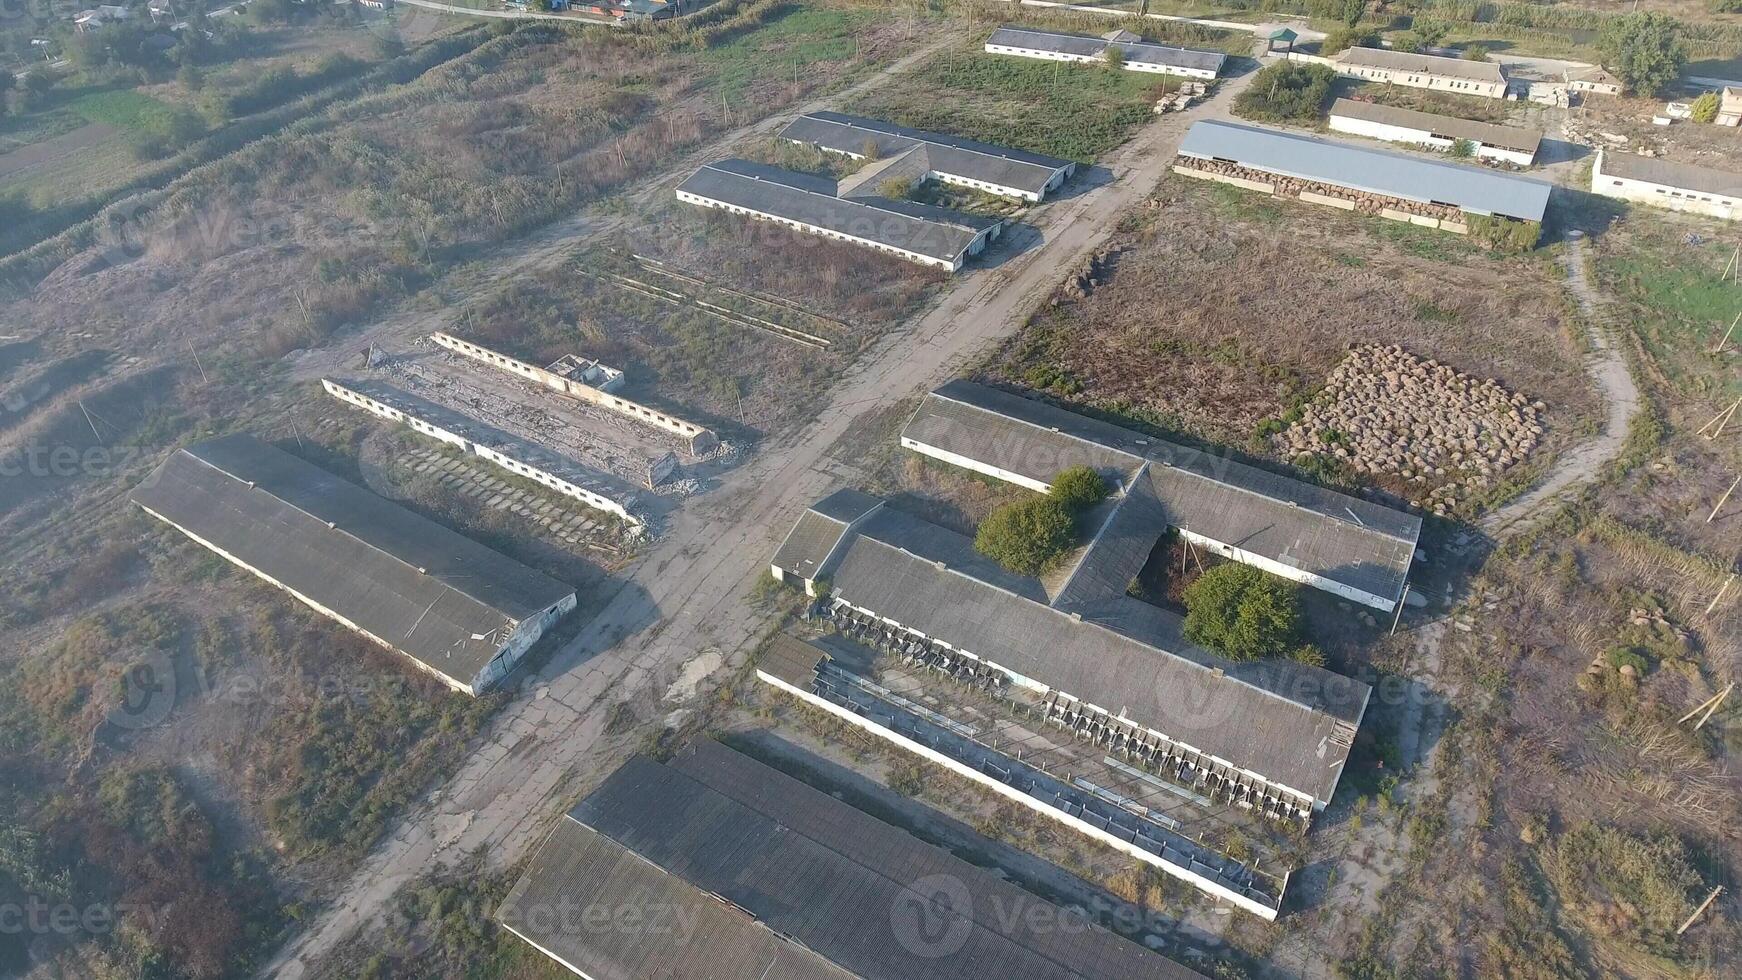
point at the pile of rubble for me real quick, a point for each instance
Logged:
(1093, 273)
(1384, 411)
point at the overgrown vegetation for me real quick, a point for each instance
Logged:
(1504, 235)
(1287, 91)
(1244, 613)
(1030, 535)
(1645, 51)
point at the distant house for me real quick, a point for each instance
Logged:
(1662, 184)
(90, 20)
(377, 4)
(1506, 143)
(1429, 71)
(1595, 79)
(1135, 53)
(1730, 107)
(629, 9)
(159, 9)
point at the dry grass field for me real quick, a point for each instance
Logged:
(1209, 324)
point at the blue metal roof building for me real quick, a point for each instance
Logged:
(1409, 178)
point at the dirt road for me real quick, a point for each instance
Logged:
(684, 607)
(1608, 371)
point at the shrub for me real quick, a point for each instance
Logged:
(1078, 487)
(1344, 38)
(1243, 613)
(1705, 108)
(1115, 56)
(1504, 235)
(1287, 91)
(1462, 149)
(1027, 536)
(1476, 52)
(896, 188)
(1408, 41)
(1645, 51)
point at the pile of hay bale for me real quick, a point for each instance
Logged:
(1384, 411)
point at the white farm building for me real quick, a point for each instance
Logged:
(934, 156)
(1508, 144)
(454, 608)
(1662, 184)
(1135, 54)
(1429, 71)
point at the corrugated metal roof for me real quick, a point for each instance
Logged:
(952, 155)
(1704, 180)
(1409, 178)
(441, 598)
(1279, 719)
(819, 530)
(1095, 47)
(933, 232)
(1423, 64)
(776, 873)
(1342, 538)
(1505, 137)
(791, 659)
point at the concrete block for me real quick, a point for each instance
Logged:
(1395, 215)
(1416, 219)
(1455, 227)
(1327, 200)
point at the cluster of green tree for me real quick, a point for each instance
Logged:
(1287, 91)
(1246, 613)
(1032, 534)
(1504, 234)
(1646, 51)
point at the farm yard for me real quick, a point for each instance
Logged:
(1199, 322)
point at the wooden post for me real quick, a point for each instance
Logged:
(1722, 499)
(1721, 590)
(1703, 906)
(1717, 702)
(1726, 338)
(1720, 420)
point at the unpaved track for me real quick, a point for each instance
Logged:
(1607, 367)
(686, 597)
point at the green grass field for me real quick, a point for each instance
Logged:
(1681, 307)
(1068, 110)
(806, 36)
(120, 108)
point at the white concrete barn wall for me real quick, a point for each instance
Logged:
(521, 640)
(1437, 83)
(1029, 683)
(701, 438)
(1128, 65)
(1421, 137)
(504, 460)
(1012, 793)
(463, 686)
(1220, 547)
(1663, 195)
(954, 265)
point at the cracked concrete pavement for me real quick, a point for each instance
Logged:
(685, 598)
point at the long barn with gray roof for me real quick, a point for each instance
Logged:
(968, 163)
(1273, 734)
(920, 233)
(1344, 545)
(1379, 174)
(713, 866)
(1135, 54)
(457, 609)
